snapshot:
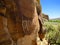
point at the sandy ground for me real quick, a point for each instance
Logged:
(44, 42)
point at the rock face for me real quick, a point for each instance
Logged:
(19, 23)
(45, 16)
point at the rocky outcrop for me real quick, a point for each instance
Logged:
(45, 17)
(19, 22)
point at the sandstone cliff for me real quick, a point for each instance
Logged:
(45, 17)
(19, 23)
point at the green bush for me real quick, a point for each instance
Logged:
(53, 32)
(54, 21)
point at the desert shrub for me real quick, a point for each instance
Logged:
(54, 21)
(53, 32)
(59, 26)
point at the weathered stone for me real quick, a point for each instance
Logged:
(21, 19)
(45, 16)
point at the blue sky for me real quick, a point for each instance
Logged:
(51, 8)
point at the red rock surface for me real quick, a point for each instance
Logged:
(20, 18)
